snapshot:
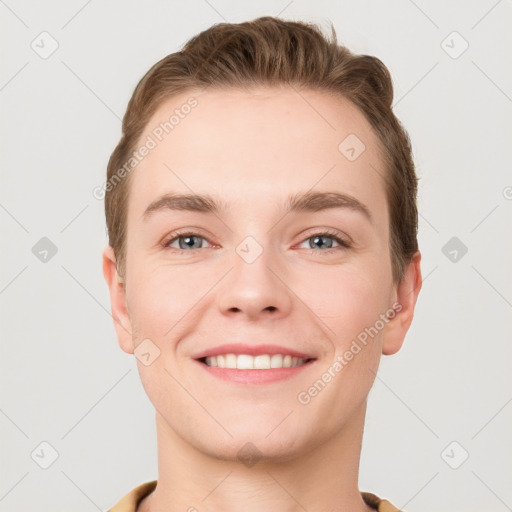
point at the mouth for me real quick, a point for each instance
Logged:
(259, 362)
(254, 365)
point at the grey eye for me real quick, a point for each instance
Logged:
(186, 242)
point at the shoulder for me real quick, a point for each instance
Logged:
(129, 502)
(379, 504)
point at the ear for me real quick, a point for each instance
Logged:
(406, 294)
(120, 315)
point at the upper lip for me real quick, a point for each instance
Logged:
(252, 350)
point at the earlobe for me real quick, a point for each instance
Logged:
(116, 286)
(407, 291)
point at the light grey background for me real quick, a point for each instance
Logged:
(64, 379)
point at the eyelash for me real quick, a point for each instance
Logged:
(343, 244)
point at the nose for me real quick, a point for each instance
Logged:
(256, 288)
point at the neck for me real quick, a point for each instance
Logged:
(325, 478)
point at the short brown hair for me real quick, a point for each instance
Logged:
(271, 51)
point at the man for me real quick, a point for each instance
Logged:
(261, 210)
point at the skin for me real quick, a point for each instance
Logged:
(252, 149)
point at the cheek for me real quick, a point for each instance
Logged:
(161, 302)
(350, 304)
(348, 300)
(164, 298)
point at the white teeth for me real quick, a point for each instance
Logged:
(247, 362)
(244, 362)
(276, 361)
(262, 362)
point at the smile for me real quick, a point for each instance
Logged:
(249, 362)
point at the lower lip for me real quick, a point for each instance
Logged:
(254, 376)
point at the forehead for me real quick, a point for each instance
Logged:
(257, 145)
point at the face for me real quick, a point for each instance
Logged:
(295, 255)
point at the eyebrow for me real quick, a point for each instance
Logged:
(300, 202)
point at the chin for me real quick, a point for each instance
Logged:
(249, 446)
